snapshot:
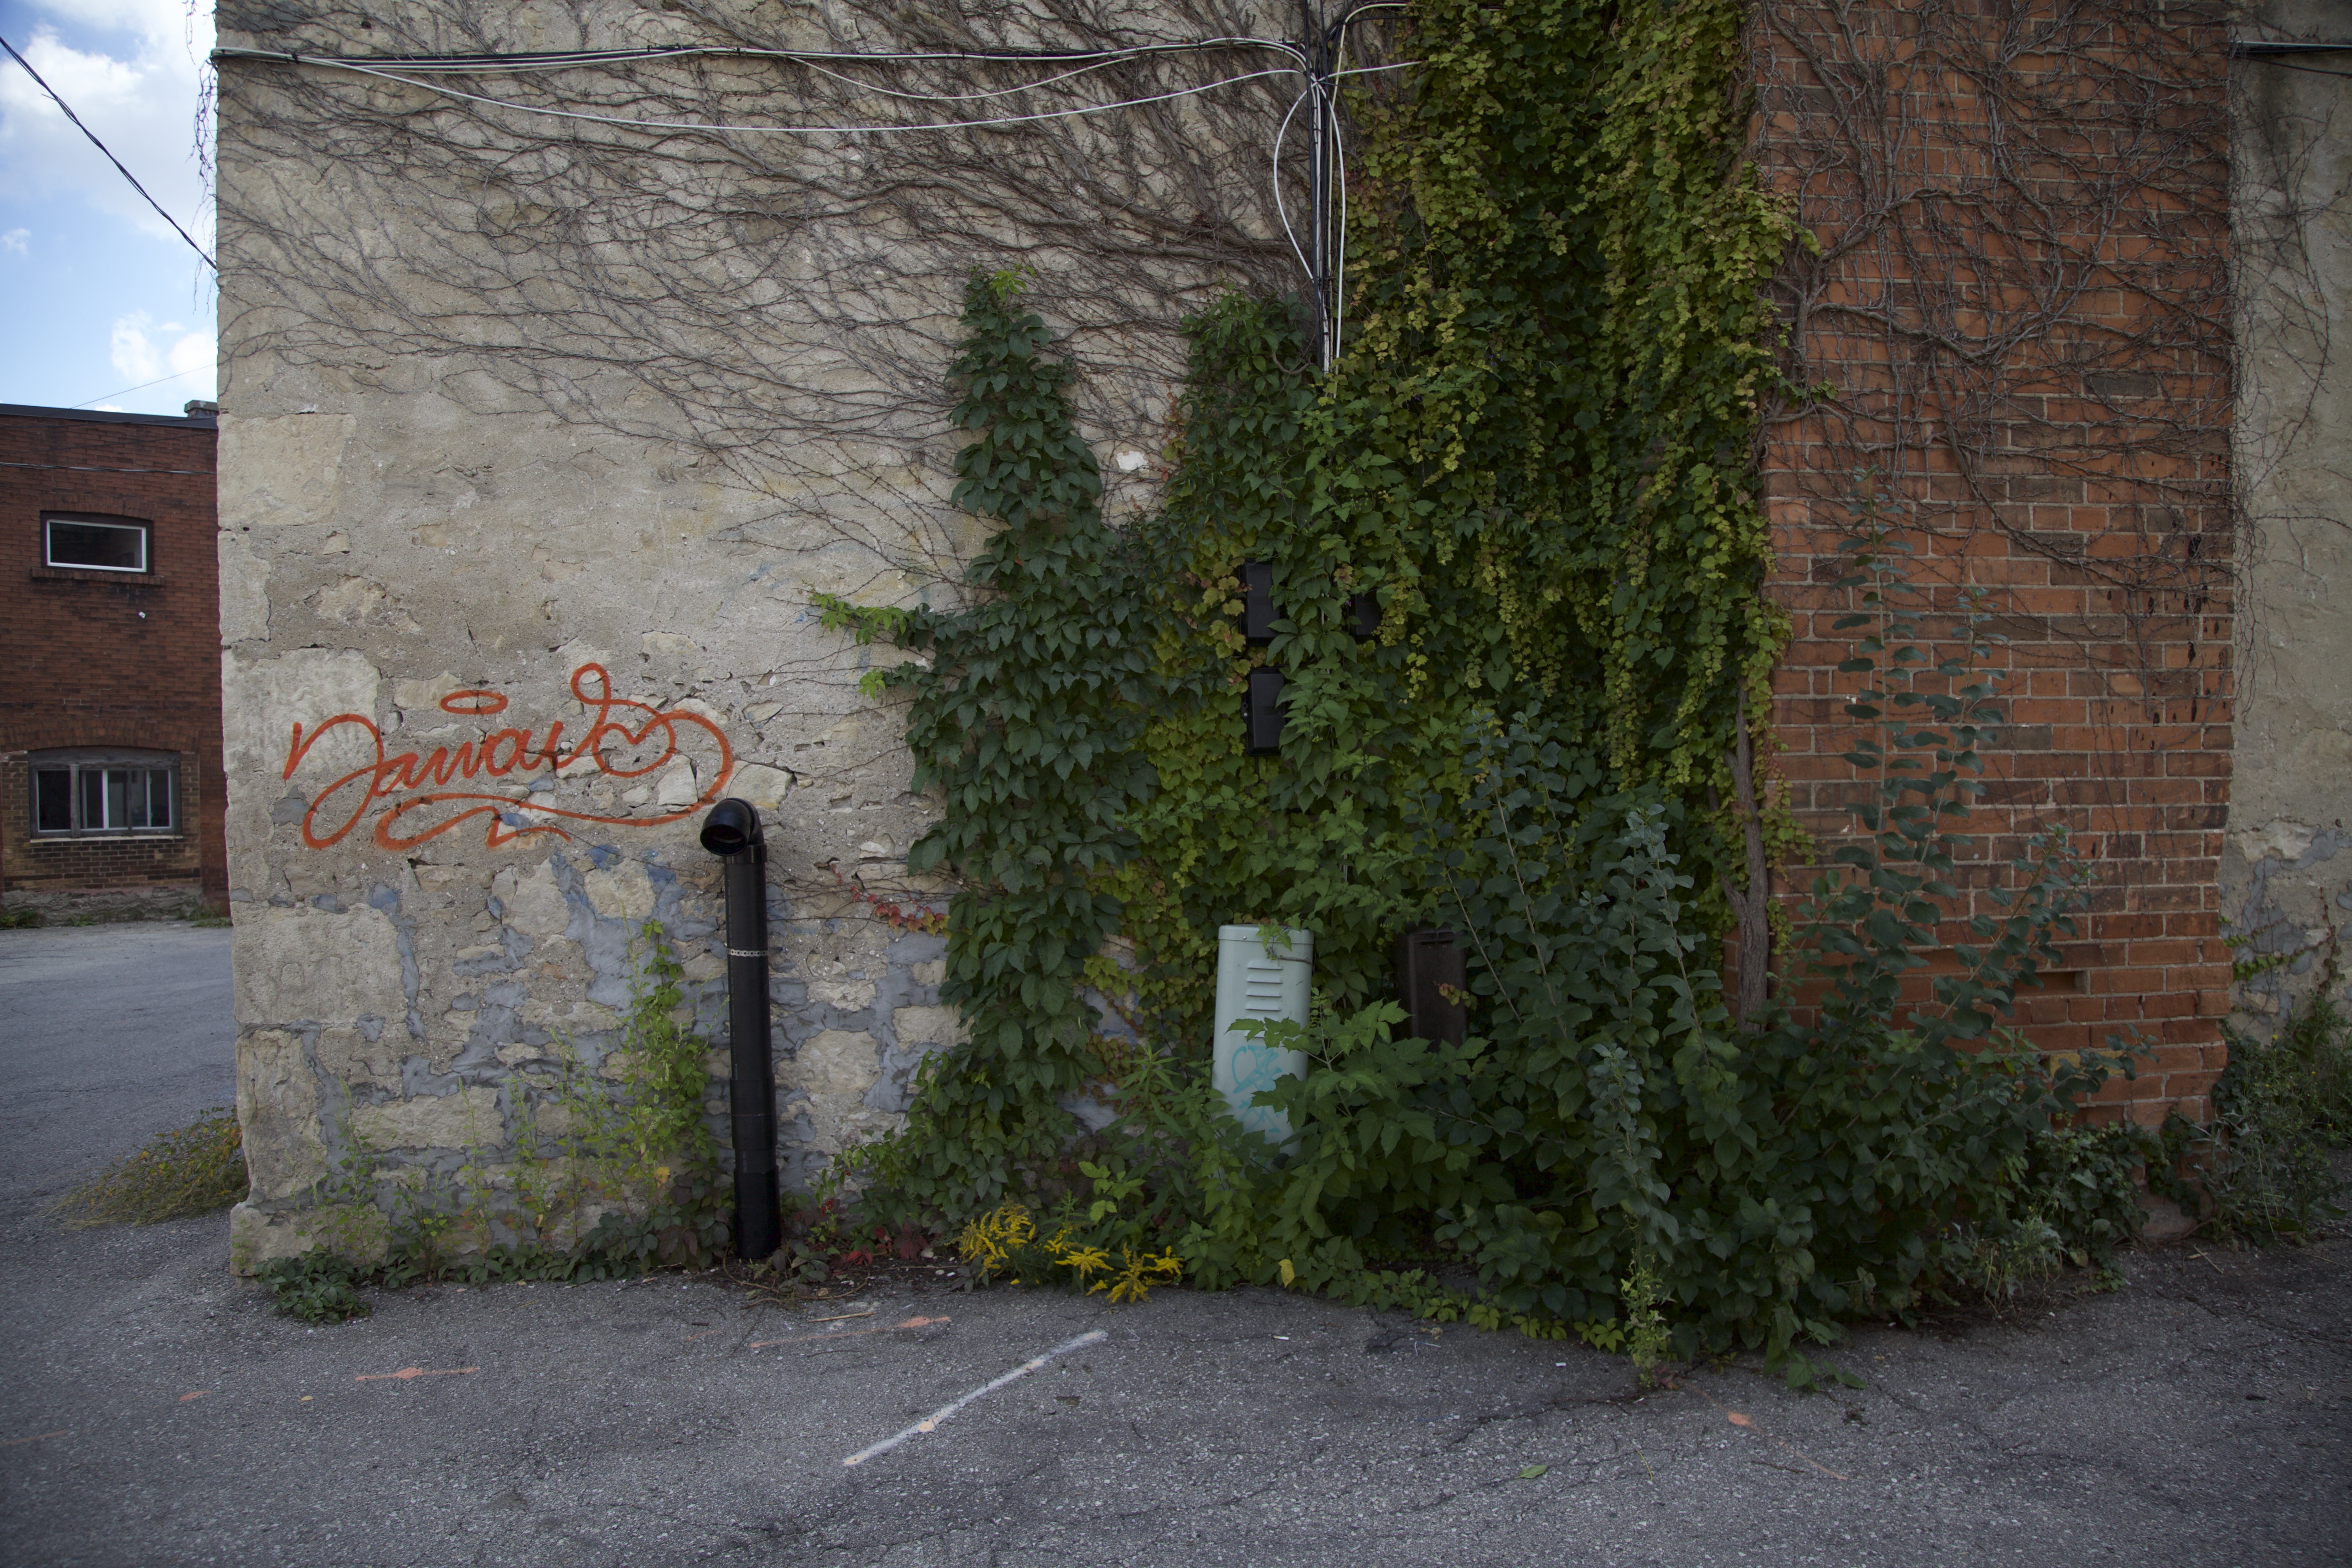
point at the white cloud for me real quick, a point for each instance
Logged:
(134, 356)
(136, 88)
(194, 352)
(144, 351)
(16, 239)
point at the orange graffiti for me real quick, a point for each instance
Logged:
(499, 755)
(475, 702)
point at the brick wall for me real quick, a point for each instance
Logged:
(102, 660)
(2020, 304)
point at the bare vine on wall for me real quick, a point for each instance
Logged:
(2020, 310)
(666, 283)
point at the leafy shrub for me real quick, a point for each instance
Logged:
(2265, 1168)
(189, 1170)
(684, 1226)
(1607, 1152)
(1607, 1122)
(2070, 1200)
(318, 1287)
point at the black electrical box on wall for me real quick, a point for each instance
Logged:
(1364, 615)
(1428, 964)
(1257, 603)
(1262, 712)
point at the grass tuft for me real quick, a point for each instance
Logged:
(189, 1170)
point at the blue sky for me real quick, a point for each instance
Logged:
(101, 294)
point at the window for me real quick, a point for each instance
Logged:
(81, 794)
(94, 543)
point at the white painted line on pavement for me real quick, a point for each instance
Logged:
(931, 1422)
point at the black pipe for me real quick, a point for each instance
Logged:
(731, 831)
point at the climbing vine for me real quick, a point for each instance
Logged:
(1025, 722)
(1516, 556)
(1530, 459)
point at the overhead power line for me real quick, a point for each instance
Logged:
(111, 158)
(715, 128)
(570, 59)
(176, 376)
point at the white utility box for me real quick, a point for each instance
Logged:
(1258, 978)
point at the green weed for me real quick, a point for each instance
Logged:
(2266, 1169)
(319, 1287)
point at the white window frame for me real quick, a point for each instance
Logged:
(145, 531)
(78, 766)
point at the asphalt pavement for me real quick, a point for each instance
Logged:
(109, 1035)
(153, 1412)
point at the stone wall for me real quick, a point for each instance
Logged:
(2286, 871)
(529, 424)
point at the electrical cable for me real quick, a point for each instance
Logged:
(568, 59)
(955, 97)
(2290, 66)
(1340, 243)
(412, 67)
(111, 158)
(1336, 308)
(1339, 173)
(1029, 86)
(1284, 129)
(635, 124)
(176, 376)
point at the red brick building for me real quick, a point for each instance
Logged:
(2018, 317)
(110, 785)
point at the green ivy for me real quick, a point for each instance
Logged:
(1025, 722)
(1534, 456)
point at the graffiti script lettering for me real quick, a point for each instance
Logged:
(417, 783)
